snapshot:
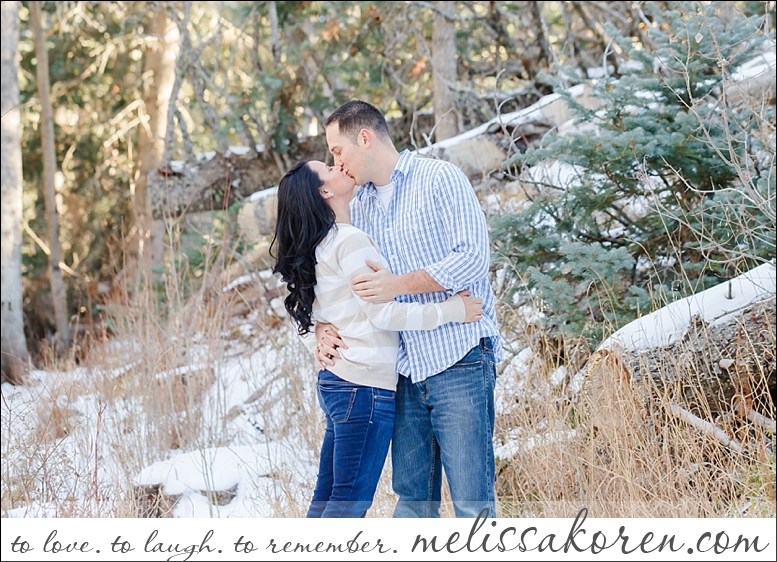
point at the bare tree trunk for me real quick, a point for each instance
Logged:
(594, 29)
(160, 64)
(266, 129)
(570, 43)
(58, 292)
(275, 45)
(444, 69)
(14, 346)
(542, 39)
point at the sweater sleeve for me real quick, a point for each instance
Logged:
(352, 253)
(309, 339)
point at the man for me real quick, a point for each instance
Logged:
(425, 217)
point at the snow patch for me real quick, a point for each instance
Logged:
(670, 323)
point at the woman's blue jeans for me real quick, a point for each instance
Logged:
(359, 425)
(446, 421)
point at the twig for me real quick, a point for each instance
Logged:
(100, 409)
(762, 421)
(47, 250)
(706, 427)
(180, 64)
(11, 109)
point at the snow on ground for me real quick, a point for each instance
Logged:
(261, 467)
(248, 469)
(519, 444)
(262, 463)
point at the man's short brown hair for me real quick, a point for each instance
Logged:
(355, 115)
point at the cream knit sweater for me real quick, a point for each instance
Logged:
(371, 331)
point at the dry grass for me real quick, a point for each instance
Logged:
(161, 384)
(613, 452)
(157, 386)
(620, 451)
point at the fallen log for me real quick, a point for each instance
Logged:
(215, 181)
(712, 365)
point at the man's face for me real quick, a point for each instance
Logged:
(348, 155)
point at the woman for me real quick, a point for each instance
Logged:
(317, 253)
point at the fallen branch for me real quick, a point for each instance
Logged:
(706, 427)
(762, 421)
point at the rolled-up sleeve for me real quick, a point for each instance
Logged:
(465, 230)
(352, 255)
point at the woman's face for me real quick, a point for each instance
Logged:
(335, 179)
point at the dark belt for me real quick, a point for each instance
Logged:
(485, 344)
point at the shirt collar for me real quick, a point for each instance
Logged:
(403, 166)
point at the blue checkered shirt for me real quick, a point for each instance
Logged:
(433, 222)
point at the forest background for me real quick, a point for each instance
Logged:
(113, 112)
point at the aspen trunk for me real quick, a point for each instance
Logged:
(14, 346)
(160, 64)
(444, 70)
(58, 292)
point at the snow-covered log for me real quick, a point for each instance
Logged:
(484, 149)
(712, 354)
(214, 181)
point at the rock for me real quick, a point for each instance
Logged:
(258, 214)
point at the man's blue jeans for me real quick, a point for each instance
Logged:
(359, 423)
(446, 421)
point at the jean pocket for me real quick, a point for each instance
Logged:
(473, 358)
(383, 407)
(336, 400)
(385, 399)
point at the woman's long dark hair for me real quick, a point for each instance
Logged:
(304, 219)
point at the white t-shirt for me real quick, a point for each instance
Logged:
(384, 193)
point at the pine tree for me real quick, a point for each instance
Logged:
(671, 187)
